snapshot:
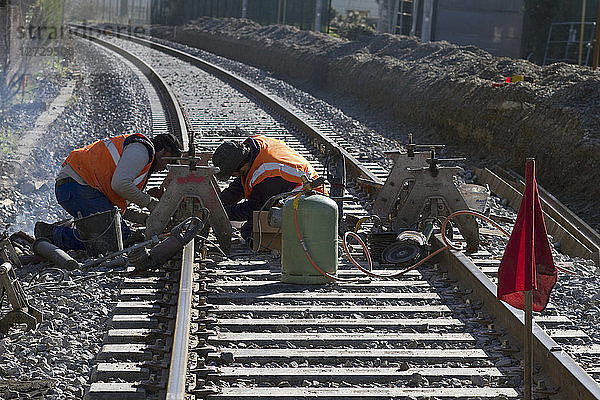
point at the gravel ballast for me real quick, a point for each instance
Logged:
(56, 358)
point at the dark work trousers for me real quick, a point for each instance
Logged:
(75, 199)
(246, 231)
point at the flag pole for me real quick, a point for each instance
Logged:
(581, 33)
(527, 353)
(529, 281)
(527, 259)
(596, 42)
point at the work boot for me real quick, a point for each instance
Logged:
(43, 230)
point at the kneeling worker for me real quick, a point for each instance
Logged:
(263, 167)
(107, 173)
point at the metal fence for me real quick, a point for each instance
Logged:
(564, 43)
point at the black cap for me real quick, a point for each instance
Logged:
(229, 157)
(165, 141)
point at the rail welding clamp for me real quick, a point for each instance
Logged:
(418, 187)
(189, 185)
(22, 312)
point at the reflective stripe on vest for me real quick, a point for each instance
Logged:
(116, 156)
(276, 159)
(275, 167)
(112, 149)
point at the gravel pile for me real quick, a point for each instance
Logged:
(58, 356)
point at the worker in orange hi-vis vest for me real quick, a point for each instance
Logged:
(104, 174)
(262, 167)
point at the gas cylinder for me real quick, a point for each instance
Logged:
(317, 217)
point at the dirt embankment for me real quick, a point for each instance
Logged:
(554, 118)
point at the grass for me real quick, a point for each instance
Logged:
(29, 93)
(72, 101)
(9, 140)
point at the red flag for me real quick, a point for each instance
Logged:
(527, 264)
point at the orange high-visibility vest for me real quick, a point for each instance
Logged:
(275, 158)
(96, 164)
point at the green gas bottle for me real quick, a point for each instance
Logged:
(317, 217)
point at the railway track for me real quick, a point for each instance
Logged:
(435, 332)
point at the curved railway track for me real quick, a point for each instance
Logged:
(435, 332)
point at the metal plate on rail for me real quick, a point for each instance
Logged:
(244, 355)
(360, 393)
(338, 322)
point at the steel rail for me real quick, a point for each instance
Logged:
(304, 127)
(176, 387)
(176, 383)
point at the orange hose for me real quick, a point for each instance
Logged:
(448, 246)
(466, 212)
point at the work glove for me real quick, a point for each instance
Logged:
(138, 257)
(156, 192)
(153, 203)
(136, 216)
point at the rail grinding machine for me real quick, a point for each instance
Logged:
(191, 191)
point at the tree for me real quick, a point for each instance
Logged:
(9, 68)
(41, 21)
(351, 26)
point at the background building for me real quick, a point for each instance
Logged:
(493, 25)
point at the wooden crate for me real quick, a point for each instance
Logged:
(271, 237)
